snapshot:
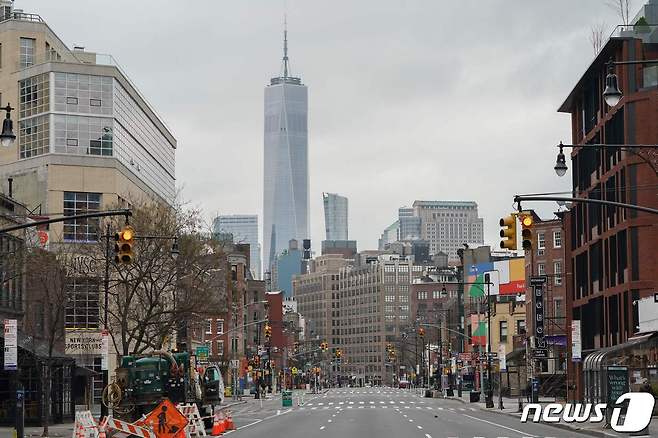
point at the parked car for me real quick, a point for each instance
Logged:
(403, 384)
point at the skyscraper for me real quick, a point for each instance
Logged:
(286, 179)
(244, 229)
(335, 216)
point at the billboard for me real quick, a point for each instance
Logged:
(507, 276)
(84, 342)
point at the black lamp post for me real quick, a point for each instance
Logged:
(651, 158)
(7, 137)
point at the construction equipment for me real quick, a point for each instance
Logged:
(143, 381)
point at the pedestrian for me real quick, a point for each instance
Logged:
(528, 391)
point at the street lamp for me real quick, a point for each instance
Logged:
(7, 137)
(612, 93)
(561, 164)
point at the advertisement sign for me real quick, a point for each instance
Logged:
(576, 345)
(11, 344)
(502, 357)
(541, 348)
(507, 276)
(83, 343)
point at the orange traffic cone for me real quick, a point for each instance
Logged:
(218, 426)
(229, 421)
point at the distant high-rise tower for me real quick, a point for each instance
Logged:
(286, 196)
(243, 229)
(335, 216)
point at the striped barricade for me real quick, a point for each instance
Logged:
(195, 422)
(129, 428)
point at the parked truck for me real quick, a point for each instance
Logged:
(142, 381)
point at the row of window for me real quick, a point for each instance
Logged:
(541, 241)
(557, 272)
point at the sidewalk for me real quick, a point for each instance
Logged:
(511, 408)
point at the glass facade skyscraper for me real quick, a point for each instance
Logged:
(244, 229)
(335, 216)
(286, 179)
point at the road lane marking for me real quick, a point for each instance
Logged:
(427, 435)
(419, 427)
(321, 427)
(500, 425)
(329, 421)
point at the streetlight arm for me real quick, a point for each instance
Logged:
(520, 198)
(125, 213)
(450, 330)
(236, 328)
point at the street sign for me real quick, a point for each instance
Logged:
(11, 344)
(202, 353)
(576, 345)
(235, 364)
(166, 421)
(540, 353)
(538, 280)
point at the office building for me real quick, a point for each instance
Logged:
(335, 216)
(409, 224)
(389, 235)
(244, 229)
(288, 264)
(286, 179)
(447, 225)
(88, 140)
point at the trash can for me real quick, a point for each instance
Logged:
(474, 397)
(286, 398)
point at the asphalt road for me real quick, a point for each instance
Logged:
(380, 413)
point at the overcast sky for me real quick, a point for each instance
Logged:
(426, 99)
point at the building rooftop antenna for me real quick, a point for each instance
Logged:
(285, 45)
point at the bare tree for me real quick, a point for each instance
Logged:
(622, 7)
(151, 297)
(597, 36)
(44, 322)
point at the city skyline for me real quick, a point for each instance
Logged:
(339, 139)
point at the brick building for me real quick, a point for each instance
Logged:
(612, 251)
(547, 258)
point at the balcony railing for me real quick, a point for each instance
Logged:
(22, 16)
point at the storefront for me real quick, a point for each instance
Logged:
(32, 367)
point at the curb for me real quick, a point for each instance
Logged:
(557, 425)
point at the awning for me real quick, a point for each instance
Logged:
(596, 360)
(85, 372)
(515, 355)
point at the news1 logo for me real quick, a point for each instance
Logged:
(637, 417)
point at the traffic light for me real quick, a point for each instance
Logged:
(526, 230)
(339, 353)
(324, 346)
(268, 331)
(296, 347)
(421, 332)
(508, 233)
(123, 247)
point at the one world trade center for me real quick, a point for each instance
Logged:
(286, 179)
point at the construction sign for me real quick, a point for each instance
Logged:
(166, 421)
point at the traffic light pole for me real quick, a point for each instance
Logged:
(520, 198)
(106, 286)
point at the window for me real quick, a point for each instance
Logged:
(557, 272)
(557, 239)
(72, 100)
(82, 303)
(26, 52)
(220, 347)
(219, 326)
(541, 269)
(389, 298)
(93, 135)
(541, 241)
(503, 331)
(94, 102)
(559, 309)
(422, 295)
(209, 326)
(81, 230)
(520, 327)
